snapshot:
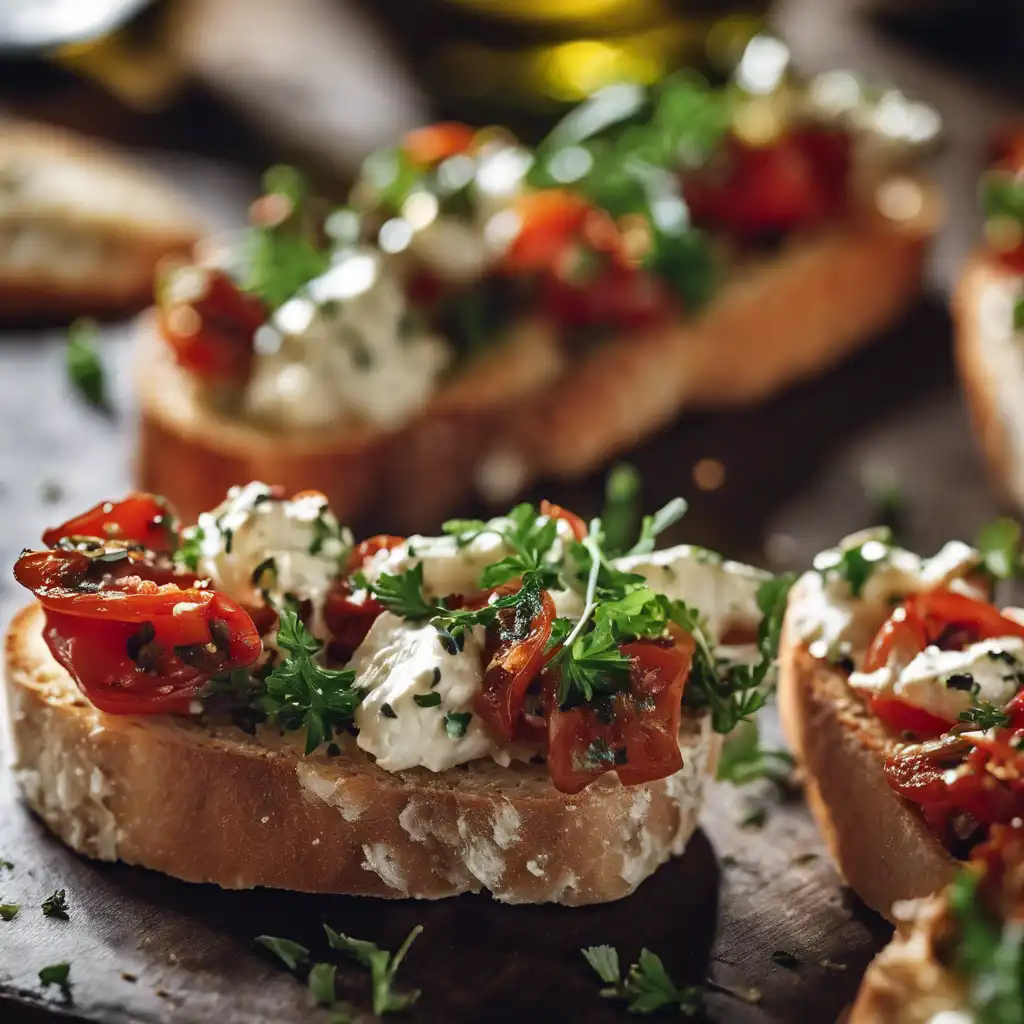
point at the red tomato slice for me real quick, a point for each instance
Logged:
(514, 664)
(212, 335)
(135, 646)
(549, 222)
(903, 636)
(900, 718)
(943, 609)
(366, 549)
(642, 734)
(428, 146)
(145, 519)
(553, 511)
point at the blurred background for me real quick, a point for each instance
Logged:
(209, 92)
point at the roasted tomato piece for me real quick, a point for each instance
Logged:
(553, 511)
(366, 549)
(946, 610)
(634, 733)
(904, 719)
(144, 519)
(428, 146)
(516, 656)
(209, 322)
(550, 221)
(135, 646)
(750, 191)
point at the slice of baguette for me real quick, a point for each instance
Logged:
(991, 366)
(878, 841)
(775, 322)
(216, 805)
(81, 228)
(906, 983)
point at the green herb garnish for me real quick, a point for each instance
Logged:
(456, 723)
(427, 700)
(56, 905)
(647, 986)
(190, 550)
(744, 760)
(858, 561)
(301, 693)
(383, 967)
(999, 544)
(322, 983)
(985, 715)
(291, 954)
(9, 911)
(85, 370)
(56, 974)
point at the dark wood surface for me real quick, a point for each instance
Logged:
(795, 475)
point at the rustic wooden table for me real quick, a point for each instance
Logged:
(795, 473)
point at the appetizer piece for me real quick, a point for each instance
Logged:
(900, 691)
(957, 958)
(484, 314)
(82, 229)
(258, 700)
(988, 315)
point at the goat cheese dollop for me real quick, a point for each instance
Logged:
(260, 549)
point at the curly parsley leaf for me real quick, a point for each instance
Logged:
(999, 544)
(302, 693)
(291, 954)
(647, 987)
(85, 369)
(985, 715)
(744, 760)
(403, 594)
(856, 562)
(56, 905)
(989, 954)
(383, 967)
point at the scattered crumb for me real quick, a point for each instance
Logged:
(264, 819)
(161, 993)
(316, 842)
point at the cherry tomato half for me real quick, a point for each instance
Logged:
(428, 146)
(553, 511)
(144, 519)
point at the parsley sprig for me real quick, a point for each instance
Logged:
(990, 955)
(999, 544)
(985, 715)
(302, 693)
(744, 760)
(647, 986)
(84, 366)
(383, 968)
(857, 560)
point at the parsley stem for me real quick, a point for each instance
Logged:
(591, 597)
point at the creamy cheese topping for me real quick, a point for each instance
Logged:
(258, 549)
(824, 613)
(339, 352)
(946, 683)
(400, 661)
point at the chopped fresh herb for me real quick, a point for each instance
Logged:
(784, 958)
(324, 531)
(985, 715)
(85, 369)
(435, 677)
(7, 864)
(322, 983)
(654, 526)
(267, 566)
(1001, 194)
(383, 967)
(427, 700)
(647, 986)
(999, 544)
(858, 561)
(9, 911)
(456, 723)
(601, 754)
(961, 681)
(191, 548)
(989, 954)
(56, 905)
(388, 711)
(744, 760)
(300, 692)
(291, 954)
(754, 817)
(55, 974)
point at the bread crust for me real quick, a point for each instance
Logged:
(980, 378)
(215, 805)
(879, 843)
(774, 323)
(112, 287)
(906, 983)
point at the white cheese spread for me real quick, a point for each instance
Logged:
(338, 353)
(257, 549)
(946, 683)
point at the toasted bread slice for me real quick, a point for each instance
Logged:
(991, 365)
(81, 228)
(878, 841)
(776, 322)
(906, 983)
(216, 805)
